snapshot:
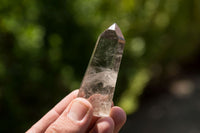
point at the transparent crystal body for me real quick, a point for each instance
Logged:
(100, 78)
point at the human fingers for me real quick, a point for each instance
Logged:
(103, 125)
(76, 118)
(61, 106)
(53, 114)
(119, 117)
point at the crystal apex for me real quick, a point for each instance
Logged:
(112, 27)
(116, 28)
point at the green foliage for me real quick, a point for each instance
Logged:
(45, 47)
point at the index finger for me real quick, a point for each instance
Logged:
(53, 114)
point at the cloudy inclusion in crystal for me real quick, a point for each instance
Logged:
(99, 81)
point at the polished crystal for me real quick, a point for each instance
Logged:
(99, 81)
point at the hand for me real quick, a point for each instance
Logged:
(74, 115)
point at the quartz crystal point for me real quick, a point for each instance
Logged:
(99, 81)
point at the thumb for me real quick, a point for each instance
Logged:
(75, 119)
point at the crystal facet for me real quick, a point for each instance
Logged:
(99, 81)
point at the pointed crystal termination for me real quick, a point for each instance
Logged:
(99, 81)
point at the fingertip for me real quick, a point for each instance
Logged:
(75, 93)
(83, 101)
(79, 110)
(75, 118)
(61, 106)
(103, 125)
(119, 117)
(117, 111)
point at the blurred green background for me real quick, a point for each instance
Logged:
(45, 46)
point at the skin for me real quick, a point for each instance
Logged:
(74, 115)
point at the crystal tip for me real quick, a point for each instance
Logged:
(112, 27)
(116, 28)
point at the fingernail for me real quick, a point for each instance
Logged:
(77, 111)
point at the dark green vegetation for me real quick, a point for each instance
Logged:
(45, 47)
